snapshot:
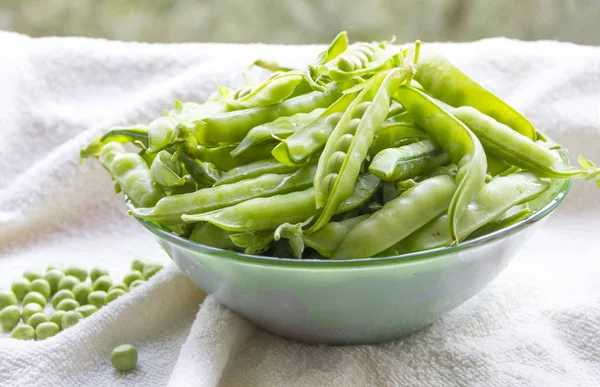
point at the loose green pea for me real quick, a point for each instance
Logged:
(53, 276)
(67, 304)
(71, 318)
(35, 298)
(62, 295)
(124, 357)
(29, 310)
(9, 317)
(138, 265)
(97, 298)
(136, 283)
(68, 282)
(132, 276)
(55, 266)
(57, 317)
(81, 291)
(46, 329)
(41, 286)
(7, 298)
(32, 274)
(36, 319)
(20, 287)
(113, 295)
(23, 332)
(87, 310)
(97, 272)
(102, 283)
(151, 269)
(119, 286)
(78, 271)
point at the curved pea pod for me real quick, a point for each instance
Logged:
(457, 140)
(204, 173)
(448, 83)
(254, 169)
(395, 134)
(281, 128)
(336, 47)
(232, 127)
(348, 145)
(135, 134)
(327, 239)
(398, 219)
(300, 146)
(496, 166)
(408, 161)
(169, 210)
(275, 89)
(396, 109)
(165, 171)
(131, 173)
(252, 242)
(221, 156)
(380, 61)
(210, 235)
(162, 133)
(493, 200)
(268, 213)
(506, 220)
(191, 111)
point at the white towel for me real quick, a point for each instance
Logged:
(537, 324)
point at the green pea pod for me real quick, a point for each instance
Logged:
(268, 213)
(408, 161)
(492, 201)
(448, 83)
(395, 109)
(252, 242)
(275, 89)
(356, 57)
(300, 146)
(221, 156)
(165, 171)
(131, 173)
(496, 166)
(394, 134)
(454, 137)
(210, 235)
(169, 209)
(191, 111)
(503, 221)
(293, 233)
(403, 117)
(204, 173)
(270, 66)
(398, 219)
(335, 49)
(328, 238)
(348, 145)
(162, 133)
(281, 128)
(136, 134)
(232, 127)
(254, 169)
(380, 61)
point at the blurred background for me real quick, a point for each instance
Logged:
(304, 21)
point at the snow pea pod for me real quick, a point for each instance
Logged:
(492, 201)
(394, 134)
(166, 172)
(506, 220)
(204, 173)
(254, 169)
(221, 156)
(454, 137)
(398, 218)
(252, 242)
(136, 134)
(131, 173)
(275, 89)
(210, 235)
(327, 239)
(169, 210)
(268, 213)
(162, 133)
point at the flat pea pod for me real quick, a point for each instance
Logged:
(135, 134)
(273, 90)
(493, 200)
(448, 83)
(255, 169)
(394, 134)
(507, 219)
(454, 137)
(169, 209)
(191, 111)
(210, 235)
(338, 45)
(268, 213)
(349, 143)
(356, 57)
(232, 127)
(408, 161)
(221, 156)
(166, 172)
(327, 239)
(205, 174)
(398, 218)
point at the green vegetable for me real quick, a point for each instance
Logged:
(46, 329)
(124, 357)
(78, 271)
(7, 298)
(57, 317)
(102, 283)
(68, 282)
(132, 276)
(29, 310)
(150, 270)
(97, 272)
(97, 298)
(137, 265)
(20, 287)
(67, 305)
(119, 286)
(23, 332)
(86, 310)
(36, 319)
(53, 277)
(62, 294)
(35, 298)
(113, 295)
(81, 292)
(9, 317)
(71, 318)
(32, 274)
(41, 286)
(136, 283)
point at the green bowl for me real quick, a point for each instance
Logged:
(359, 301)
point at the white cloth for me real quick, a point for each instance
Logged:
(537, 324)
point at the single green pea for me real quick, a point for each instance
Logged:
(35, 298)
(78, 271)
(151, 269)
(87, 310)
(124, 357)
(113, 295)
(55, 266)
(29, 310)
(46, 329)
(102, 283)
(136, 283)
(36, 319)
(20, 287)
(67, 304)
(57, 317)
(97, 298)
(81, 291)
(119, 286)
(71, 318)
(132, 276)
(97, 272)
(23, 332)
(138, 265)
(7, 298)
(41, 286)
(62, 295)
(53, 276)
(32, 274)
(68, 282)
(9, 317)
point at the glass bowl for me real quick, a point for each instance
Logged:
(359, 301)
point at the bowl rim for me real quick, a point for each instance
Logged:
(542, 213)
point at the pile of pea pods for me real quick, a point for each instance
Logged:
(371, 150)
